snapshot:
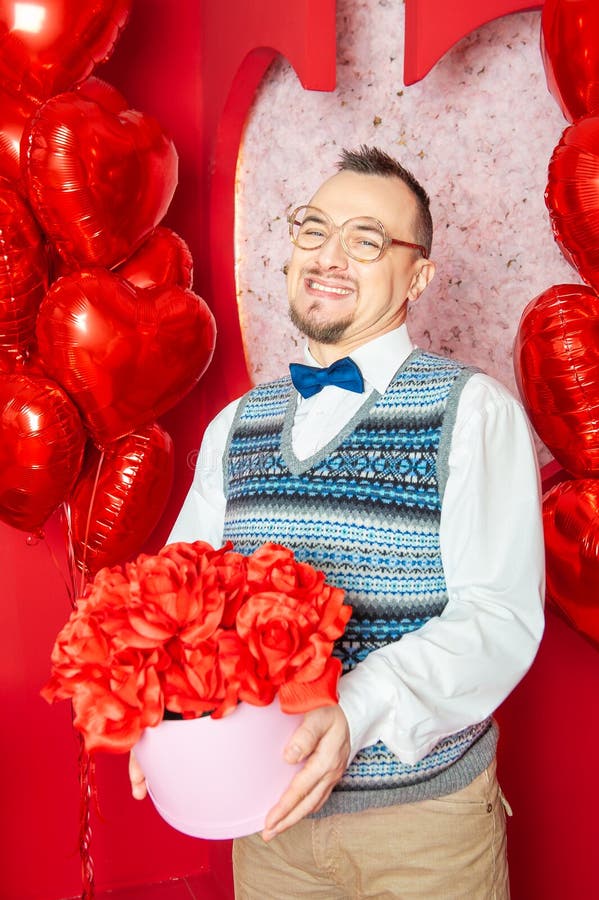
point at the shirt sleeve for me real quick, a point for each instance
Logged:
(459, 667)
(202, 515)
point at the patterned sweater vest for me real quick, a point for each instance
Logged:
(366, 510)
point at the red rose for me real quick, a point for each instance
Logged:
(109, 589)
(192, 682)
(241, 675)
(274, 568)
(108, 722)
(81, 652)
(292, 636)
(232, 569)
(167, 599)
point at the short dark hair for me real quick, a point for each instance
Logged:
(374, 161)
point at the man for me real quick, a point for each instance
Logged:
(412, 482)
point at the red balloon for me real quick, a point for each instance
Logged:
(570, 51)
(14, 114)
(556, 360)
(41, 448)
(98, 181)
(47, 47)
(124, 355)
(572, 197)
(113, 517)
(571, 524)
(23, 277)
(103, 93)
(164, 258)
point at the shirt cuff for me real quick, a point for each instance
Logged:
(365, 705)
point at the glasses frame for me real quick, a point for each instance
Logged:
(387, 239)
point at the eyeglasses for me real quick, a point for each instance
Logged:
(363, 238)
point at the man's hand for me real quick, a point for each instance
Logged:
(323, 741)
(137, 779)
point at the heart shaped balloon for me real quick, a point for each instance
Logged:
(119, 497)
(124, 355)
(164, 258)
(570, 51)
(14, 114)
(556, 360)
(571, 524)
(41, 448)
(99, 181)
(47, 47)
(23, 276)
(102, 92)
(572, 197)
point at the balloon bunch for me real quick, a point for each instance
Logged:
(556, 354)
(100, 332)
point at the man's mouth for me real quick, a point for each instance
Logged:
(327, 288)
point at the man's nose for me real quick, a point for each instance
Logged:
(331, 254)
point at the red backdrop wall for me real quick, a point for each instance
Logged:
(196, 71)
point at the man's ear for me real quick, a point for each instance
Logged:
(423, 275)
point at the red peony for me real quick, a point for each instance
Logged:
(196, 630)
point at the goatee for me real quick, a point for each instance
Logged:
(321, 332)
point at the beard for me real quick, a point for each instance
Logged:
(321, 332)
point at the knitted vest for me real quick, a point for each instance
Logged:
(366, 510)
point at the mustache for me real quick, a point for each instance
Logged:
(311, 272)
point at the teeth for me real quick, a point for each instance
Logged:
(328, 289)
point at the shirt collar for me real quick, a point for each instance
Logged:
(380, 358)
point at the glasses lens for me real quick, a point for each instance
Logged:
(310, 227)
(364, 238)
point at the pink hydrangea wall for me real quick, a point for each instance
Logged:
(478, 131)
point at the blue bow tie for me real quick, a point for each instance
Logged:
(309, 380)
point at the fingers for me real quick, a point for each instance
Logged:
(303, 742)
(306, 793)
(322, 740)
(137, 779)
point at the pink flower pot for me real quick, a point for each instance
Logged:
(218, 778)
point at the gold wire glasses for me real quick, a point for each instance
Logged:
(363, 238)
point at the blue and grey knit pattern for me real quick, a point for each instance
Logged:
(366, 510)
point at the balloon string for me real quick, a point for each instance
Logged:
(86, 767)
(86, 780)
(70, 581)
(71, 551)
(88, 522)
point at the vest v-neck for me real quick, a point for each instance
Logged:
(299, 466)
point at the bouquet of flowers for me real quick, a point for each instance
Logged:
(195, 630)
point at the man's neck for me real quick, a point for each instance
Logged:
(326, 354)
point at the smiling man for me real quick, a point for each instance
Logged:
(411, 481)
(339, 305)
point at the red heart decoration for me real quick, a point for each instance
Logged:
(571, 523)
(41, 447)
(119, 497)
(164, 258)
(99, 181)
(123, 355)
(572, 197)
(47, 47)
(556, 360)
(570, 51)
(102, 92)
(23, 277)
(15, 112)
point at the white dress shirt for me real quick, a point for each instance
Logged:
(457, 669)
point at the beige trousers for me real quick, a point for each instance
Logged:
(453, 848)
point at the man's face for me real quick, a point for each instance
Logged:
(334, 299)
